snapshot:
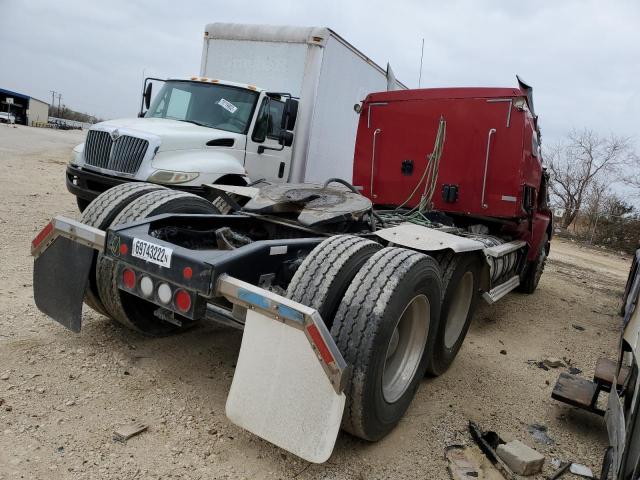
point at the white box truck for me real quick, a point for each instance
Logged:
(271, 102)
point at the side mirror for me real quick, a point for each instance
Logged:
(285, 138)
(147, 95)
(289, 114)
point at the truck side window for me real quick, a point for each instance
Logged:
(261, 127)
(269, 120)
(276, 109)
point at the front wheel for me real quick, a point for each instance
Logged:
(533, 271)
(383, 327)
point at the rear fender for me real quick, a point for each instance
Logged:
(541, 223)
(425, 239)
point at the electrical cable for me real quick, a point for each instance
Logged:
(429, 178)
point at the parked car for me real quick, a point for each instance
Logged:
(6, 117)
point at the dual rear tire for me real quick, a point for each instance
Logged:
(122, 204)
(381, 305)
(395, 314)
(460, 286)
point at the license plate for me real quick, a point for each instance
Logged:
(151, 252)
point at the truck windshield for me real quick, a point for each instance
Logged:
(206, 104)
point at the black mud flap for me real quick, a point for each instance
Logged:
(60, 277)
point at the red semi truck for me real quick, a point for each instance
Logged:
(347, 294)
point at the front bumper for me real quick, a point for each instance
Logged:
(87, 184)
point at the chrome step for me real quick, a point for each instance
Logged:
(504, 248)
(496, 293)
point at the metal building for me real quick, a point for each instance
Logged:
(26, 110)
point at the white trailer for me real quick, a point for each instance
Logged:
(271, 102)
(317, 65)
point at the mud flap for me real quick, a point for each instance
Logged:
(616, 429)
(281, 393)
(60, 277)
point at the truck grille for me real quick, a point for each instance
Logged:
(123, 155)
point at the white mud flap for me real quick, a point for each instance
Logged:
(281, 392)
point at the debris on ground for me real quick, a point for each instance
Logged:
(580, 328)
(539, 434)
(125, 432)
(552, 362)
(581, 470)
(488, 442)
(468, 463)
(561, 469)
(574, 370)
(521, 458)
(538, 364)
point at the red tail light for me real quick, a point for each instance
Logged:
(129, 278)
(183, 300)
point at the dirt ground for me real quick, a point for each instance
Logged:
(62, 394)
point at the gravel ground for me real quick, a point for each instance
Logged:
(62, 394)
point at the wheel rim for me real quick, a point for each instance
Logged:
(405, 349)
(458, 310)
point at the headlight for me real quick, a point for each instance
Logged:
(76, 155)
(169, 177)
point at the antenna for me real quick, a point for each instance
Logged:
(421, 55)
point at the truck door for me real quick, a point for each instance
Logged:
(273, 162)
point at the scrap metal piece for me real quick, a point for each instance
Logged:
(125, 432)
(314, 204)
(562, 469)
(581, 470)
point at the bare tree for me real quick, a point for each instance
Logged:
(577, 161)
(633, 178)
(595, 199)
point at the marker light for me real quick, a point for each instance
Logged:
(146, 286)
(164, 293)
(129, 278)
(44, 233)
(187, 273)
